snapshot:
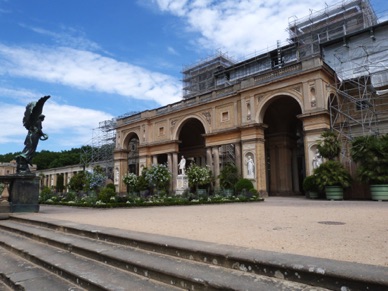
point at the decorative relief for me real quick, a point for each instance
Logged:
(144, 133)
(313, 98)
(259, 97)
(173, 122)
(208, 116)
(297, 89)
(248, 110)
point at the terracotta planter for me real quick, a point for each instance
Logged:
(379, 192)
(334, 192)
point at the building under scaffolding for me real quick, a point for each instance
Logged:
(355, 46)
(101, 147)
(328, 24)
(349, 39)
(305, 38)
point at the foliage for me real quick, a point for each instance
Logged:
(69, 196)
(310, 184)
(79, 182)
(6, 158)
(45, 194)
(106, 194)
(112, 186)
(158, 177)
(131, 180)
(228, 176)
(243, 184)
(371, 154)
(329, 146)
(332, 173)
(142, 183)
(198, 176)
(97, 180)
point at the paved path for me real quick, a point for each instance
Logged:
(355, 231)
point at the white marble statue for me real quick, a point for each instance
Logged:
(182, 166)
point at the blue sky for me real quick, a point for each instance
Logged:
(100, 59)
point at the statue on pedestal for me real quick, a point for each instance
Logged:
(182, 166)
(32, 121)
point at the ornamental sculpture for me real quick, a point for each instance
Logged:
(32, 121)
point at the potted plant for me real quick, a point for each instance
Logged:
(131, 180)
(332, 177)
(199, 177)
(329, 146)
(311, 187)
(228, 178)
(371, 154)
(158, 177)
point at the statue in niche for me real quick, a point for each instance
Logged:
(182, 166)
(250, 167)
(32, 121)
(317, 160)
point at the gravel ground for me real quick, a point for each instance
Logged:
(355, 231)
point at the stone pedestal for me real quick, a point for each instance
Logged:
(24, 193)
(4, 204)
(182, 184)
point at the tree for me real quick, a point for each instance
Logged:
(79, 182)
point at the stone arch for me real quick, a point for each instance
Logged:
(127, 136)
(284, 144)
(266, 101)
(190, 134)
(180, 124)
(131, 145)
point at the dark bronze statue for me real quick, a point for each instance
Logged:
(32, 121)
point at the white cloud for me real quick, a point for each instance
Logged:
(67, 37)
(240, 27)
(67, 126)
(88, 71)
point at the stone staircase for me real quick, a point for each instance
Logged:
(58, 255)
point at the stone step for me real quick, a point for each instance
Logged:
(86, 273)
(200, 265)
(186, 274)
(17, 273)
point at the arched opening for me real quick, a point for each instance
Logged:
(192, 142)
(133, 155)
(284, 147)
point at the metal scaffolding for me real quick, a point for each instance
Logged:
(330, 23)
(100, 149)
(199, 78)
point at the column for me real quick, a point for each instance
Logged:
(237, 152)
(169, 165)
(174, 170)
(155, 160)
(295, 174)
(216, 165)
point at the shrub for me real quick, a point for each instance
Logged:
(79, 182)
(131, 180)
(45, 194)
(228, 176)
(112, 186)
(158, 176)
(105, 194)
(310, 184)
(371, 154)
(332, 173)
(198, 176)
(243, 184)
(329, 147)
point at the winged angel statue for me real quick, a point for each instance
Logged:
(32, 121)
